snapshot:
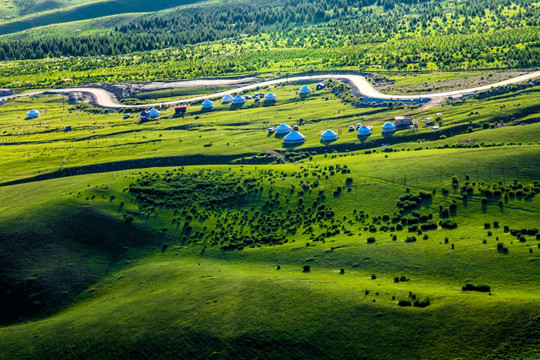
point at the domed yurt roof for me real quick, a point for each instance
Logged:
(153, 113)
(207, 104)
(329, 135)
(227, 99)
(294, 137)
(32, 114)
(270, 97)
(305, 89)
(364, 131)
(239, 99)
(388, 127)
(283, 129)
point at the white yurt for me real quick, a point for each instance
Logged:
(32, 114)
(207, 105)
(270, 97)
(153, 113)
(294, 137)
(304, 90)
(329, 135)
(239, 99)
(283, 129)
(388, 128)
(227, 99)
(364, 131)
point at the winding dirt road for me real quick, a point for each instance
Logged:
(106, 99)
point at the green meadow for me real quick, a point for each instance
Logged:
(257, 250)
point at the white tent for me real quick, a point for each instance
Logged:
(283, 129)
(364, 131)
(329, 135)
(32, 114)
(304, 90)
(239, 99)
(294, 137)
(270, 97)
(388, 127)
(227, 99)
(153, 113)
(207, 104)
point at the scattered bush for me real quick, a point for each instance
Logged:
(480, 288)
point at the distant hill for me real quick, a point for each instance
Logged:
(34, 13)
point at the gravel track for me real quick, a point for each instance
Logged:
(103, 98)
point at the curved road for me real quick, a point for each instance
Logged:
(106, 99)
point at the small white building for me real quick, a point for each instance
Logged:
(403, 120)
(283, 129)
(33, 114)
(270, 97)
(388, 128)
(153, 113)
(238, 99)
(207, 105)
(305, 90)
(227, 99)
(364, 131)
(294, 137)
(329, 135)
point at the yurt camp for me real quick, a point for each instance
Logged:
(388, 127)
(329, 135)
(238, 100)
(153, 113)
(283, 129)
(294, 137)
(364, 131)
(270, 98)
(227, 99)
(207, 105)
(33, 114)
(305, 90)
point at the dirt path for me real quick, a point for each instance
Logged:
(106, 99)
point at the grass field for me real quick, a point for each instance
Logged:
(135, 263)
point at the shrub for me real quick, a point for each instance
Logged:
(371, 240)
(480, 288)
(448, 224)
(410, 239)
(421, 303)
(306, 268)
(404, 303)
(373, 276)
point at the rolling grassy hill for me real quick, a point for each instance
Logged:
(37, 14)
(209, 260)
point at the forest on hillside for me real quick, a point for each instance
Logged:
(487, 33)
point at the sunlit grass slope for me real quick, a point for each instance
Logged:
(194, 300)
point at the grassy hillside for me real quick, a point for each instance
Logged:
(43, 13)
(209, 260)
(74, 28)
(196, 299)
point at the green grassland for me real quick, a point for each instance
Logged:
(195, 300)
(41, 13)
(100, 137)
(86, 253)
(74, 28)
